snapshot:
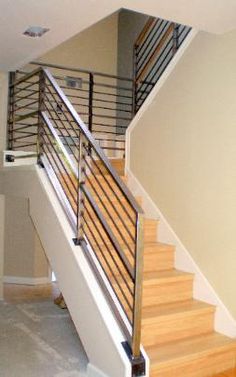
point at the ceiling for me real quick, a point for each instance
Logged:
(65, 18)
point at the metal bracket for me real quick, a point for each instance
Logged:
(10, 158)
(77, 241)
(40, 163)
(138, 366)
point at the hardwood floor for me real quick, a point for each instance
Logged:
(230, 373)
(22, 293)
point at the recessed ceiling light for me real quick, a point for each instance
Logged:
(35, 31)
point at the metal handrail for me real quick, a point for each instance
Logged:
(79, 70)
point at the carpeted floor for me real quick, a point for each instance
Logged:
(39, 340)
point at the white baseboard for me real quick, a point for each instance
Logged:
(26, 280)
(202, 289)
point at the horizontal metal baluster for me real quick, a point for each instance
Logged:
(108, 125)
(108, 230)
(152, 73)
(98, 131)
(158, 47)
(124, 278)
(165, 62)
(26, 88)
(151, 44)
(111, 217)
(21, 98)
(51, 157)
(64, 112)
(113, 94)
(59, 144)
(112, 102)
(25, 136)
(111, 189)
(148, 28)
(145, 31)
(25, 126)
(113, 140)
(93, 238)
(107, 195)
(52, 117)
(26, 105)
(111, 117)
(117, 196)
(64, 129)
(113, 148)
(24, 145)
(116, 281)
(111, 109)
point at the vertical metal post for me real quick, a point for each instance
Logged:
(42, 82)
(11, 109)
(81, 182)
(91, 86)
(134, 91)
(138, 288)
(175, 38)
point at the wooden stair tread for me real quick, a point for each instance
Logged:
(148, 224)
(190, 348)
(178, 308)
(167, 276)
(158, 247)
(108, 178)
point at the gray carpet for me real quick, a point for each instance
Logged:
(39, 340)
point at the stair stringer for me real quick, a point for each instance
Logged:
(93, 319)
(202, 289)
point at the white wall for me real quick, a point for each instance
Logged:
(188, 165)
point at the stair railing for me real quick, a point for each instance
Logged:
(103, 101)
(106, 219)
(154, 48)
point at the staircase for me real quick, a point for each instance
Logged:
(177, 330)
(151, 301)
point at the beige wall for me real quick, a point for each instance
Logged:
(93, 49)
(24, 256)
(189, 164)
(21, 254)
(3, 117)
(2, 205)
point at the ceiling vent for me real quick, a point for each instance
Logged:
(35, 31)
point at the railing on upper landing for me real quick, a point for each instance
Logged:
(104, 103)
(153, 50)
